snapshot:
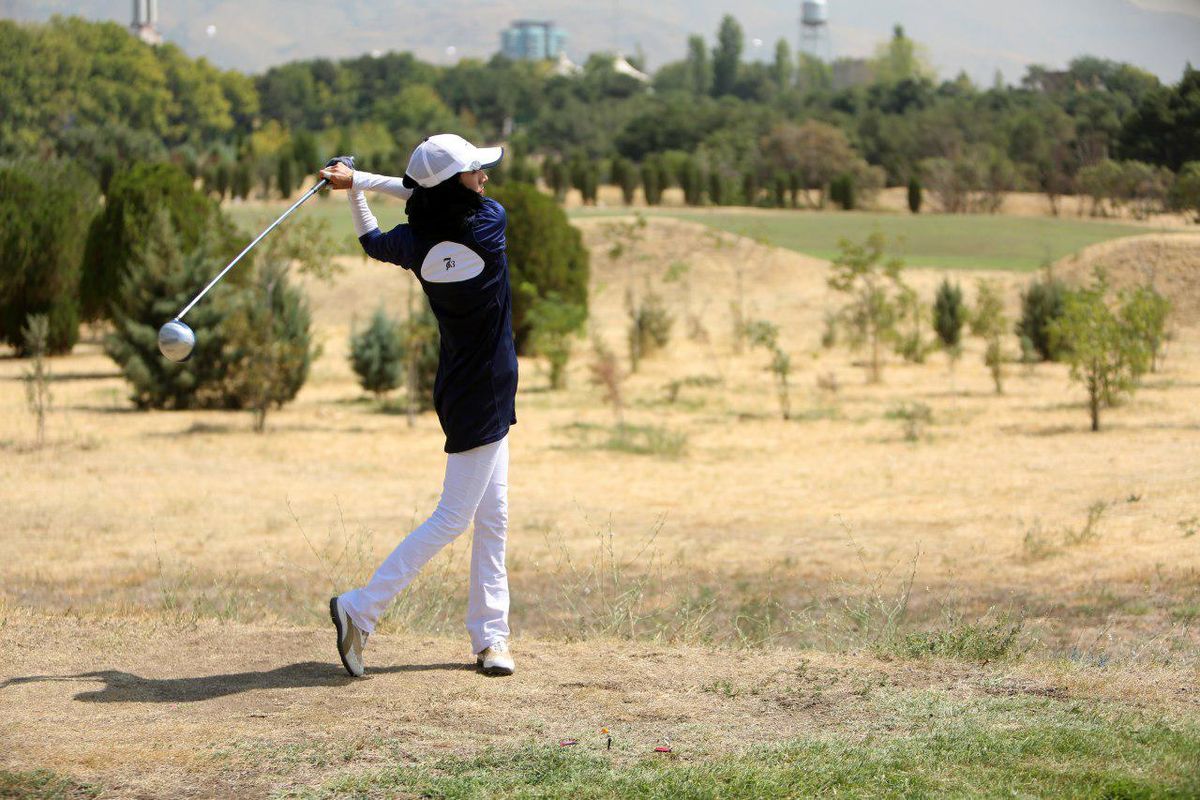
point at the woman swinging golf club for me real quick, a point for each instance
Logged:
(454, 244)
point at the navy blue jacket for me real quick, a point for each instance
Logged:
(468, 289)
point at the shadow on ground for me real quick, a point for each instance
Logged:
(125, 687)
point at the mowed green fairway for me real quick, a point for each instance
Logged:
(929, 240)
(960, 241)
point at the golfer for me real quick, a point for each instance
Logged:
(454, 245)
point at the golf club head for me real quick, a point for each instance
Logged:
(176, 341)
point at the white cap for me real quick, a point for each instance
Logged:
(439, 157)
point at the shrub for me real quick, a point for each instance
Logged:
(36, 335)
(1144, 311)
(606, 374)
(989, 322)
(116, 234)
(1041, 305)
(554, 323)
(44, 211)
(766, 335)
(377, 354)
(268, 342)
(649, 326)
(912, 317)
(949, 315)
(544, 251)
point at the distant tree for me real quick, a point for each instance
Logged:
(914, 195)
(1106, 355)
(815, 152)
(285, 176)
(627, 177)
(700, 71)
(1185, 194)
(650, 183)
(45, 210)
(872, 283)
(727, 56)
(544, 250)
(784, 68)
(1164, 129)
(377, 354)
(989, 323)
(900, 59)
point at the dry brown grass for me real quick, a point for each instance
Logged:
(168, 545)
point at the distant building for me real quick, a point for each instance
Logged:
(850, 72)
(145, 21)
(533, 40)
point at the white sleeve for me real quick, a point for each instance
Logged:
(364, 220)
(368, 181)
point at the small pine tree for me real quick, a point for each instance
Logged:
(949, 316)
(377, 354)
(914, 195)
(912, 317)
(1041, 304)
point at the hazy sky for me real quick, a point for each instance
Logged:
(978, 36)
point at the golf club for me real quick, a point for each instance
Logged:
(175, 339)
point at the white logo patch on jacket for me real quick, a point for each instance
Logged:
(450, 262)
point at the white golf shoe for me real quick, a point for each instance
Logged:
(496, 660)
(350, 639)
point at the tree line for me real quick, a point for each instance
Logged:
(791, 131)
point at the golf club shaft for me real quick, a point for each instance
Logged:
(321, 185)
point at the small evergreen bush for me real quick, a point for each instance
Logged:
(377, 354)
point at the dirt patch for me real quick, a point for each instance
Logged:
(1169, 262)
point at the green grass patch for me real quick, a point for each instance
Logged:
(41, 784)
(935, 746)
(951, 241)
(983, 640)
(948, 241)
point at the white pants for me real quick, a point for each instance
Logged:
(476, 488)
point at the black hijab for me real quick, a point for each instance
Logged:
(444, 212)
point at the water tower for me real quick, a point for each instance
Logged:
(814, 29)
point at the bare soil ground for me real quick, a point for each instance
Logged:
(165, 573)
